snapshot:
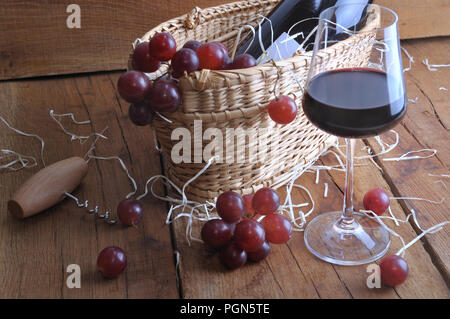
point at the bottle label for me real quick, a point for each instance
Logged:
(282, 48)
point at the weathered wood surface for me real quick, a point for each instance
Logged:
(34, 253)
(36, 41)
(420, 18)
(426, 125)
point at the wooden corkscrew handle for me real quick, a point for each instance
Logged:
(47, 187)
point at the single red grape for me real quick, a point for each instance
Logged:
(140, 113)
(216, 233)
(243, 61)
(184, 60)
(260, 254)
(164, 96)
(221, 46)
(111, 262)
(278, 228)
(248, 204)
(143, 61)
(162, 46)
(211, 56)
(266, 201)
(249, 235)
(226, 64)
(230, 207)
(394, 270)
(133, 86)
(192, 44)
(232, 256)
(282, 110)
(376, 200)
(130, 211)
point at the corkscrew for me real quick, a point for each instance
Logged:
(106, 215)
(50, 186)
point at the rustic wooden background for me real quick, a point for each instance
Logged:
(34, 253)
(35, 41)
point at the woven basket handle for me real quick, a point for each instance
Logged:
(194, 18)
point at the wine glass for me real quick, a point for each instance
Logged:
(355, 89)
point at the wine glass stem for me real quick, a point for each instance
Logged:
(347, 220)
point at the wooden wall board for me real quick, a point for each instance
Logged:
(35, 40)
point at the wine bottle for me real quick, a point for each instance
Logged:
(282, 18)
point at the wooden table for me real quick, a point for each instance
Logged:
(35, 253)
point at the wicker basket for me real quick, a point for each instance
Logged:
(238, 99)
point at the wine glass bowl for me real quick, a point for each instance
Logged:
(360, 97)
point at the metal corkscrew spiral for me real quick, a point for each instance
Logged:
(106, 215)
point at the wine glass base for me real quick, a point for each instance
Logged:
(364, 241)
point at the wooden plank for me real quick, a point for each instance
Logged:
(35, 39)
(419, 18)
(411, 179)
(425, 126)
(433, 103)
(34, 253)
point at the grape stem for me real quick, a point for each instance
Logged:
(277, 80)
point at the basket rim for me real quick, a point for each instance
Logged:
(202, 79)
(208, 14)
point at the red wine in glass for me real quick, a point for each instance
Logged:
(353, 103)
(355, 88)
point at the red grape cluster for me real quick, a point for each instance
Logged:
(242, 238)
(164, 95)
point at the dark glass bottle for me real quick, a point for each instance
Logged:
(283, 17)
